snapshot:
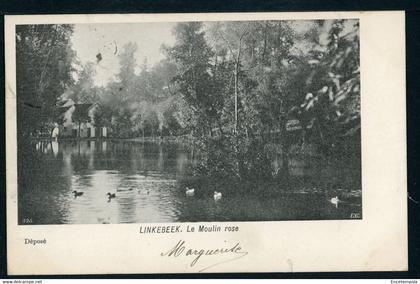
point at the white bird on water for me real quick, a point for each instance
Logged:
(335, 201)
(217, 195)
(189, 191)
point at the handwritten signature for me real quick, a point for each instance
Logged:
(180, 250)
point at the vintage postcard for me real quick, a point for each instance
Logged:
(188, 143)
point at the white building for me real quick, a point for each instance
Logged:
(71, 113)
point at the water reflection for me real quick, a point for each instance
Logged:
(146, 180)
(54, 146)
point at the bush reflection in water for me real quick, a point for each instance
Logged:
(149, 180)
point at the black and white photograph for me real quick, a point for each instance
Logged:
(212, 121)
(206, 143)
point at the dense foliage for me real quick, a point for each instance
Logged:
(232, 86)
(43, 73)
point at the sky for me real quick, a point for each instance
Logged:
(108, 39)
(90, 39)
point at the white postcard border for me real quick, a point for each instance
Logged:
(378, 242)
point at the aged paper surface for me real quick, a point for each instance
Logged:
(375, 242)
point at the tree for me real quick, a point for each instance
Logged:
(81, 115)
(333, 82)
(84, 90)
(192, 56)
(43, 72)
(127, 77)
(102, 117)
(233, 34)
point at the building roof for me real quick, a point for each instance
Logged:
(82, 109)
(63, 109)
(64, 103)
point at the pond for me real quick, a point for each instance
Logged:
(148, 182)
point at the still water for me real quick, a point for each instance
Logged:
(147, 181)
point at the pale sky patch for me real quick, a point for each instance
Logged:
(90, 39)
(108, 39)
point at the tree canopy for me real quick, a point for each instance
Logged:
(218, 79)
(44, 71)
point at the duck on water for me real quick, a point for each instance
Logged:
(121, 190)
(189, 191)
(77, 193)
(217, 195)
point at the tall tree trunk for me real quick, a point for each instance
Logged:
(220, 128)
(303, 136)
(237, 65)
(285, 146)
(236, 97)
(265, 42)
